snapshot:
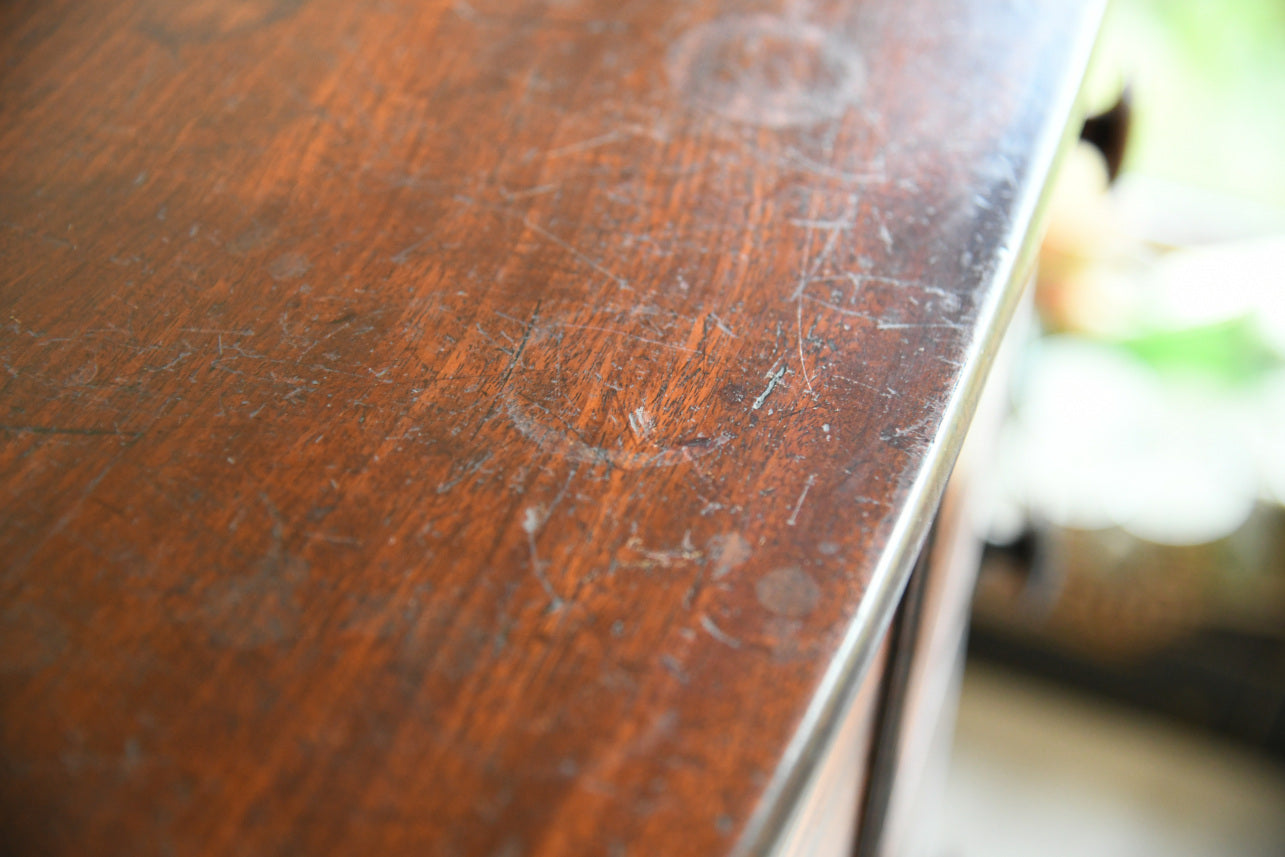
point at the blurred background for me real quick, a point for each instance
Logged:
(1125, 687)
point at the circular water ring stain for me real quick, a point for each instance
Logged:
(766, 71)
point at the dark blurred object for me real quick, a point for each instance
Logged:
(1108, 132)
(1227, 679)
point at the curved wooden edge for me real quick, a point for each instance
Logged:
(821, 724)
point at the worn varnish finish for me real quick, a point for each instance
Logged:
(471, 428)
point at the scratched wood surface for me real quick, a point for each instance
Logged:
(471, 428)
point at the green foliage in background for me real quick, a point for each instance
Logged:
(1228, 353)
(1209, 90)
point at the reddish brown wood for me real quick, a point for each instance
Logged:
(471, 428)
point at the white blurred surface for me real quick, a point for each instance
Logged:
(1040, 771)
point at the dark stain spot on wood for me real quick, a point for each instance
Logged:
(788, 592)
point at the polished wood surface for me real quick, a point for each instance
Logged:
(480, 428)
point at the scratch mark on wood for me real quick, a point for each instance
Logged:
(772, 380)
(592, 263)
(549, 236)
(584, 145)
(841, 310)
(564, 442)
(808, 272)
(521, 347)
(884, 235)
(721, 325)
(532, 521)
(628, 335)
(807, 486)
(718, 633)
(898, 325)
(403, 255)
(86, 432)
(803, 363)
(641, 423)
(685, 552)
(538, 190)
(674, 668)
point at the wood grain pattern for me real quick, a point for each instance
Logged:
(474, 428)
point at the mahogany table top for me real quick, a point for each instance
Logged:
(478, 427)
